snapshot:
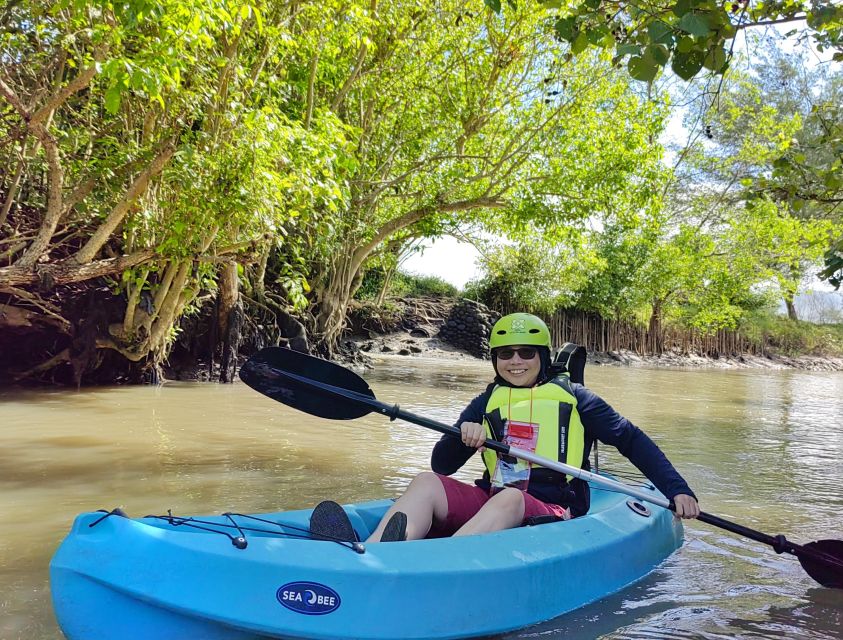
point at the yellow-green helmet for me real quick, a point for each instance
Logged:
(519, 328)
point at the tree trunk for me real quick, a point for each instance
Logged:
(791, 308)
(231, 343)
(331, 304)
(344, 279)
(229, 320)
(387, 279)
(790, 293)
(655, 328)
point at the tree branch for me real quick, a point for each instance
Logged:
(46, 307)
(55, 207)
(12, 98)
(103, 233)
(311, 83)
(69, 271)
(358, 65)
(411, 217)
(60, 357)
(766, 23)
(77, 84)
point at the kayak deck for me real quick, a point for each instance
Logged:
(169, 578)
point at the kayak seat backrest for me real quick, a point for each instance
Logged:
(358, 523)
(366, 516)
(570, 359)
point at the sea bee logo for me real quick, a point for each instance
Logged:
(309, 598)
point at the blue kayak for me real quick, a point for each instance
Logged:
(240, 577)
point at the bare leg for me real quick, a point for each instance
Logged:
(423, 501)
(504, 510)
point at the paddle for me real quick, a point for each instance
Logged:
(328, 390)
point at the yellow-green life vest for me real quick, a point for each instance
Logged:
(553, 407)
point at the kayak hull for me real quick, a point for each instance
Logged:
(150, 578)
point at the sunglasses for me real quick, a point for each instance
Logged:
(525, 353)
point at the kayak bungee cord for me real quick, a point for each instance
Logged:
(176, 521)
(239, 541)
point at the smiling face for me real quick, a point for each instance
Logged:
(518, 370)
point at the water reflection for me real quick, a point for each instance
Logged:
(763, 448)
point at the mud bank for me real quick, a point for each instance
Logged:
(401, 344)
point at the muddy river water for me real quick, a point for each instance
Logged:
(763, 448)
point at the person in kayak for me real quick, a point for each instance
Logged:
(529, 406)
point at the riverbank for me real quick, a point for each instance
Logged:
(402, 344)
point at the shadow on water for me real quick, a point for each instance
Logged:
(650, 609)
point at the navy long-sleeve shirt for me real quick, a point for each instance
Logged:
(601, 422)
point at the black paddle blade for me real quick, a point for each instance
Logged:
(823, 561)
(298, 380)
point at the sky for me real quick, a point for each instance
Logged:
(447, 258)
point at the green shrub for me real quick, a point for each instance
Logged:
(412, 285)
(794, 338)
(370, 286)
(404, 285)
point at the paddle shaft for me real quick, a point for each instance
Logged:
(779, 543)
(529, 456)
(394, 412)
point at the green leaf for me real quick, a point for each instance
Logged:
(716, 59)
(643, 69)
(112, 99)
(685, 44)
(566, 28)
(596, 35)
(822, 15)
(580, 43)
(494, 5)
(626, 49)
(681, 7)
(658, 53)
(258, 18)
(660, 32)
(833, 181)
(696, 24)
(687, 65)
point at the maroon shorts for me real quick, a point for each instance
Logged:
(465, 500)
